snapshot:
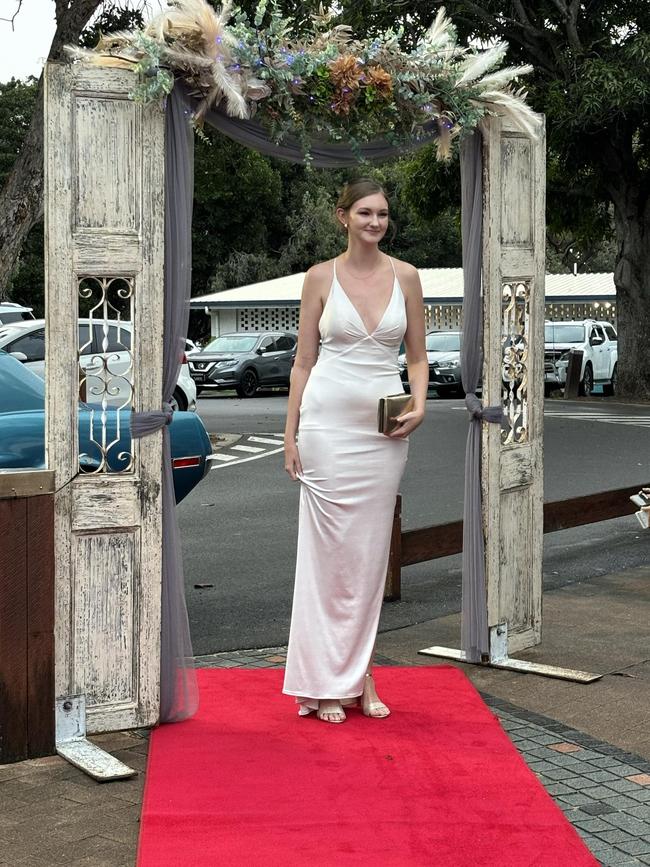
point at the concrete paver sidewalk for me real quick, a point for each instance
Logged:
(589, 745)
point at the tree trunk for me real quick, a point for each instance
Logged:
(21, 199)
(632, 279)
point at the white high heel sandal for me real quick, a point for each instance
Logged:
(374, 709)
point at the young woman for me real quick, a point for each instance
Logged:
(361, 305)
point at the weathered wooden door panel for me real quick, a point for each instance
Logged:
(104, 164)
(513, 287)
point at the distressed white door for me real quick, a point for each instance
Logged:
(512, 469)
(104, 224)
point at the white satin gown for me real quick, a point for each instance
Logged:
(349, 481)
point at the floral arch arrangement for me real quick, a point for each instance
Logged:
(324, 84)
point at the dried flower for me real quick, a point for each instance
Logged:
(345, 72)
(380, 79)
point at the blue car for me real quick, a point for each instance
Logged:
(22, 431)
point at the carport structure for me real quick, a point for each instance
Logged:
(118, 229)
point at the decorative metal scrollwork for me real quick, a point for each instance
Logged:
(515, 317)
(105, 374)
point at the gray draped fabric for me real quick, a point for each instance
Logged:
(252, 134)
(178, 687)
(474, 628)
(179, 696)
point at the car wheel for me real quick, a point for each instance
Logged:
(587, 384)
(612, 386)
(178, 400)
(248, 383)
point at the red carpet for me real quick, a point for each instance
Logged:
(437, 784)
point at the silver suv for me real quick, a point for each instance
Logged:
(244, 361)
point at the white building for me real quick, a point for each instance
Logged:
(274, 305)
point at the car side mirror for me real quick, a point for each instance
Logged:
(596, 341)
(260, 350)
(19, 355)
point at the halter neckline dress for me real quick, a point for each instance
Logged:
(349, 482)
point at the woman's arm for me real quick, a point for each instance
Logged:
(416, 354)
(311, 308)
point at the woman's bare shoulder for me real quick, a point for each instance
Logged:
(322, 270)
(317, 280)
(319, 276)
(407, 274)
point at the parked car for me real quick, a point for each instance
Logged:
(245, 361)
(10, 312)
(599, 344)
(191, 348)
(26, 342)
(443, 352)
(22, 431)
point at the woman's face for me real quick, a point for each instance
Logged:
(367, 218)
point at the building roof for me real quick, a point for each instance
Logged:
(439, 286)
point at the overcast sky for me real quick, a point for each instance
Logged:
(23, 50)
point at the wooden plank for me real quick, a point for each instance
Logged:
(26, 483)
(429, 543)
(563, 514)
(442, 540)
(40, 638)
(13, 631)
(105, 501)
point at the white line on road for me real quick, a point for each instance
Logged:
(630, 420)
(221, 457)
(244, 460)
(253, 439)
(246, 448)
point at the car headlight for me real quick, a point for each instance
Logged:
(447, 365)
(223, 365)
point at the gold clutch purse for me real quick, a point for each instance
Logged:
(391, 406)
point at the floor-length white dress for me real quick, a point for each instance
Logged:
(349, 481)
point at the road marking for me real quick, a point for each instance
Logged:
(592, 415)
(604, 418)
(253, 439)
(244, 460)
(246, 448)
(221, 457)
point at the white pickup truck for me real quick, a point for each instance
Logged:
(599, 346)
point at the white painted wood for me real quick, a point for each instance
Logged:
(71, 743)
(104, 216)
(94, 761)
(522, 665)
(512, 474)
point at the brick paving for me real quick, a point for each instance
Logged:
(52, 813)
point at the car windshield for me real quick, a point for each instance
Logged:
(7, 316)
(442, 342)
(232, 343)
(20, 388)
(564, 333)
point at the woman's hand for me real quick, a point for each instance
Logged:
(408, 421)
(292, 460)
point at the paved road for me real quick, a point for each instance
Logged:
(239, 526)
